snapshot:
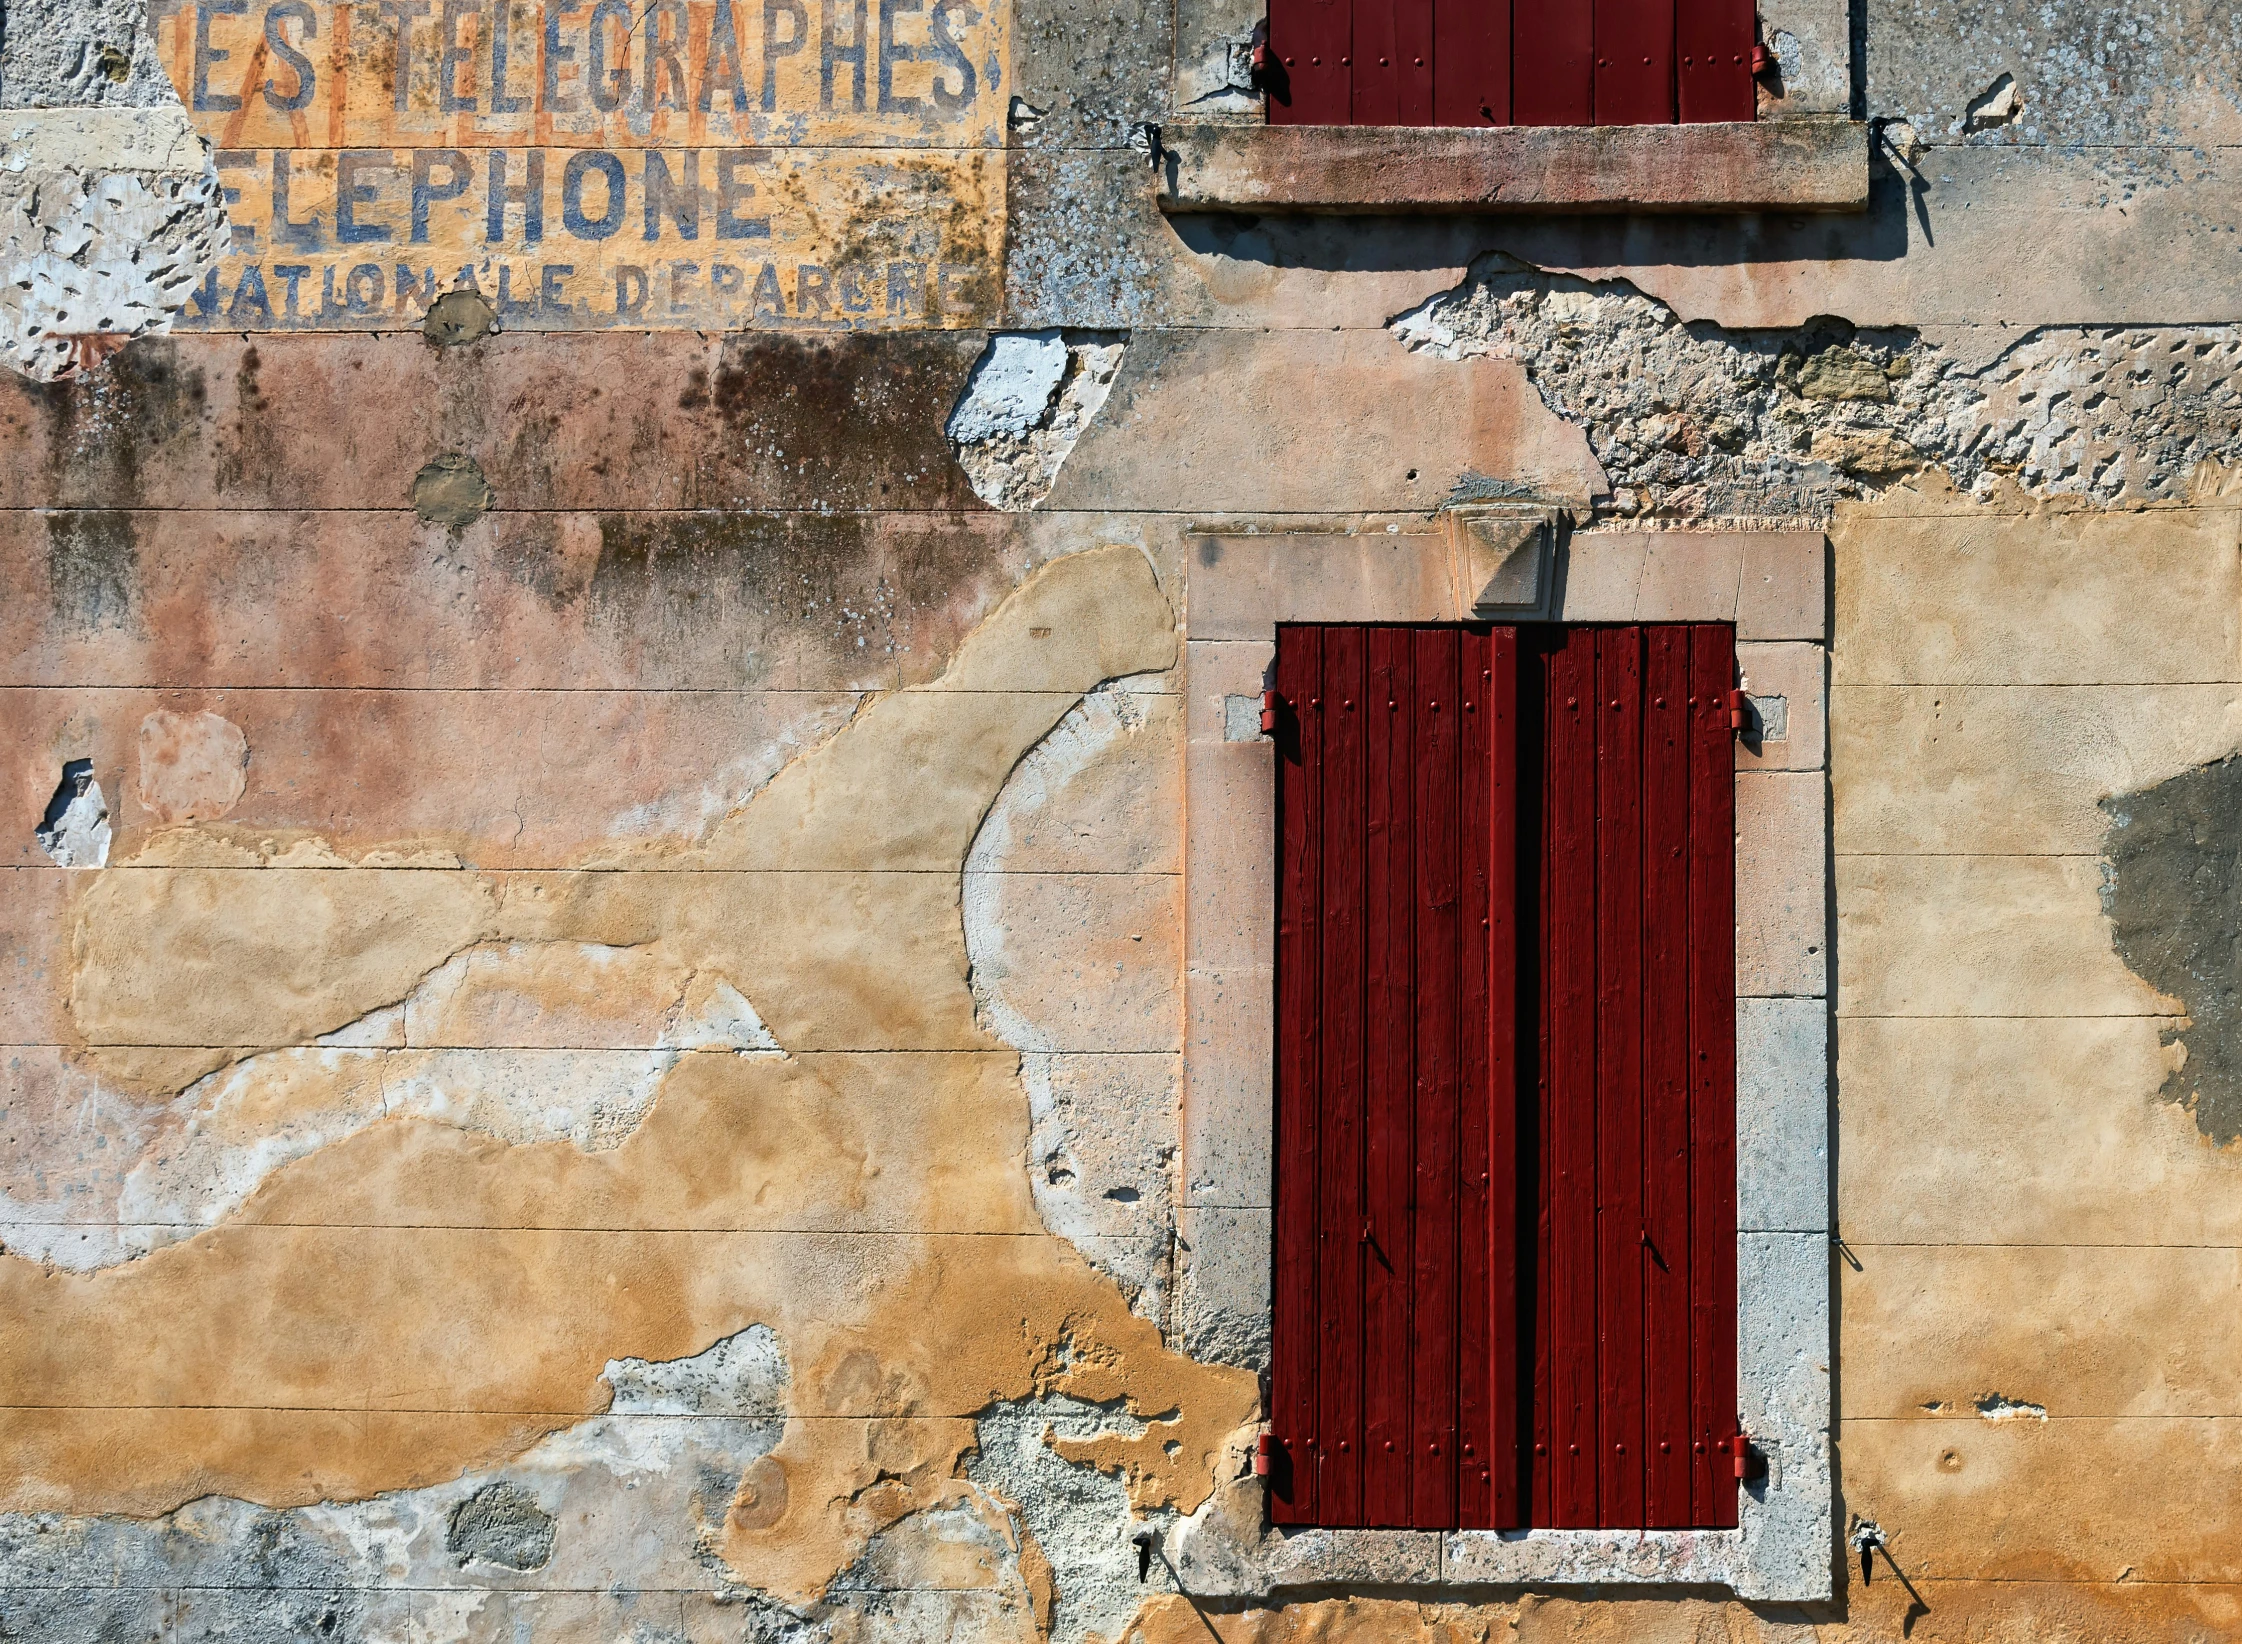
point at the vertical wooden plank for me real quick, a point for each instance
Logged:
(1438, 948)
(1712, 1095)
(1666, 1367)
(1714, 40)
(1373, 97)
(1309, 43)
(1635, 62)
(1569, 1127)
(1537, 670)
(1508, 1378)
(1471, 62)
(1388, 1057)
(1413, 64)
(1620, 1230)
(1476, 1329)
(1300, 825)
(1553, 62)
(1339, 1109)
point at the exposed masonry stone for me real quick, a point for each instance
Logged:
(1692, 418)
(1078, 1518)
(1031, 395)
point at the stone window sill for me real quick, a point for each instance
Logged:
(1786, 165)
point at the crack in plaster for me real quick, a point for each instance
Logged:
(1694, 419)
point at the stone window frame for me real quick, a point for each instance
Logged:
(1804, 152)
(1515, 563)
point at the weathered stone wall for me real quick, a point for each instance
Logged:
(594, 931)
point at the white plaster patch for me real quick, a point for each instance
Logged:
(193, 1162)
(1101, 1143)
(75, 831)
(108, 219)
(1031, 395)
(1011, 387)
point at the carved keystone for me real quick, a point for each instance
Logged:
(1502, 553)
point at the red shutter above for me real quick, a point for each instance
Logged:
(1510, 62)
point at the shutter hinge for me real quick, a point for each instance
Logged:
(1762, 61)
(1747, 1461)
(1739, 710)
(1264, 1455)
(1270, 703)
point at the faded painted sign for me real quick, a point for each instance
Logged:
(702, 164)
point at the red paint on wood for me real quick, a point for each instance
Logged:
(1535, 665)
(1635, 62)
(1713, 40)
(1569, 1076)
(1505, 1222)
(1340, 1206)
(1388, 1068)
(1413, 61)
(1435, 1287)
(1619, 1089)
(1499, 1094)
(1666, 1367)
(1471, 65)
(1712, 1095)
(1553, 63)
(1476, 1315)
(1300, 828)
(1309, 42)
(1372, 98)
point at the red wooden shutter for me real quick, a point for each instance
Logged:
(1505, 1212)
(1635, 1265)
(1394, 1390)
(1510, 62)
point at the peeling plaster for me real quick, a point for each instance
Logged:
(1029, 398)
(629, 1499)
(192, 1162)
(1102, 1143)
(1694, 419)
(75, 831)
(864, 1195)
(111, 217)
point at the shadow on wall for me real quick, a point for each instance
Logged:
(1385, 245)
(2173, 866)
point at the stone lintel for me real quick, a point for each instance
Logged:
(1788, 165)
